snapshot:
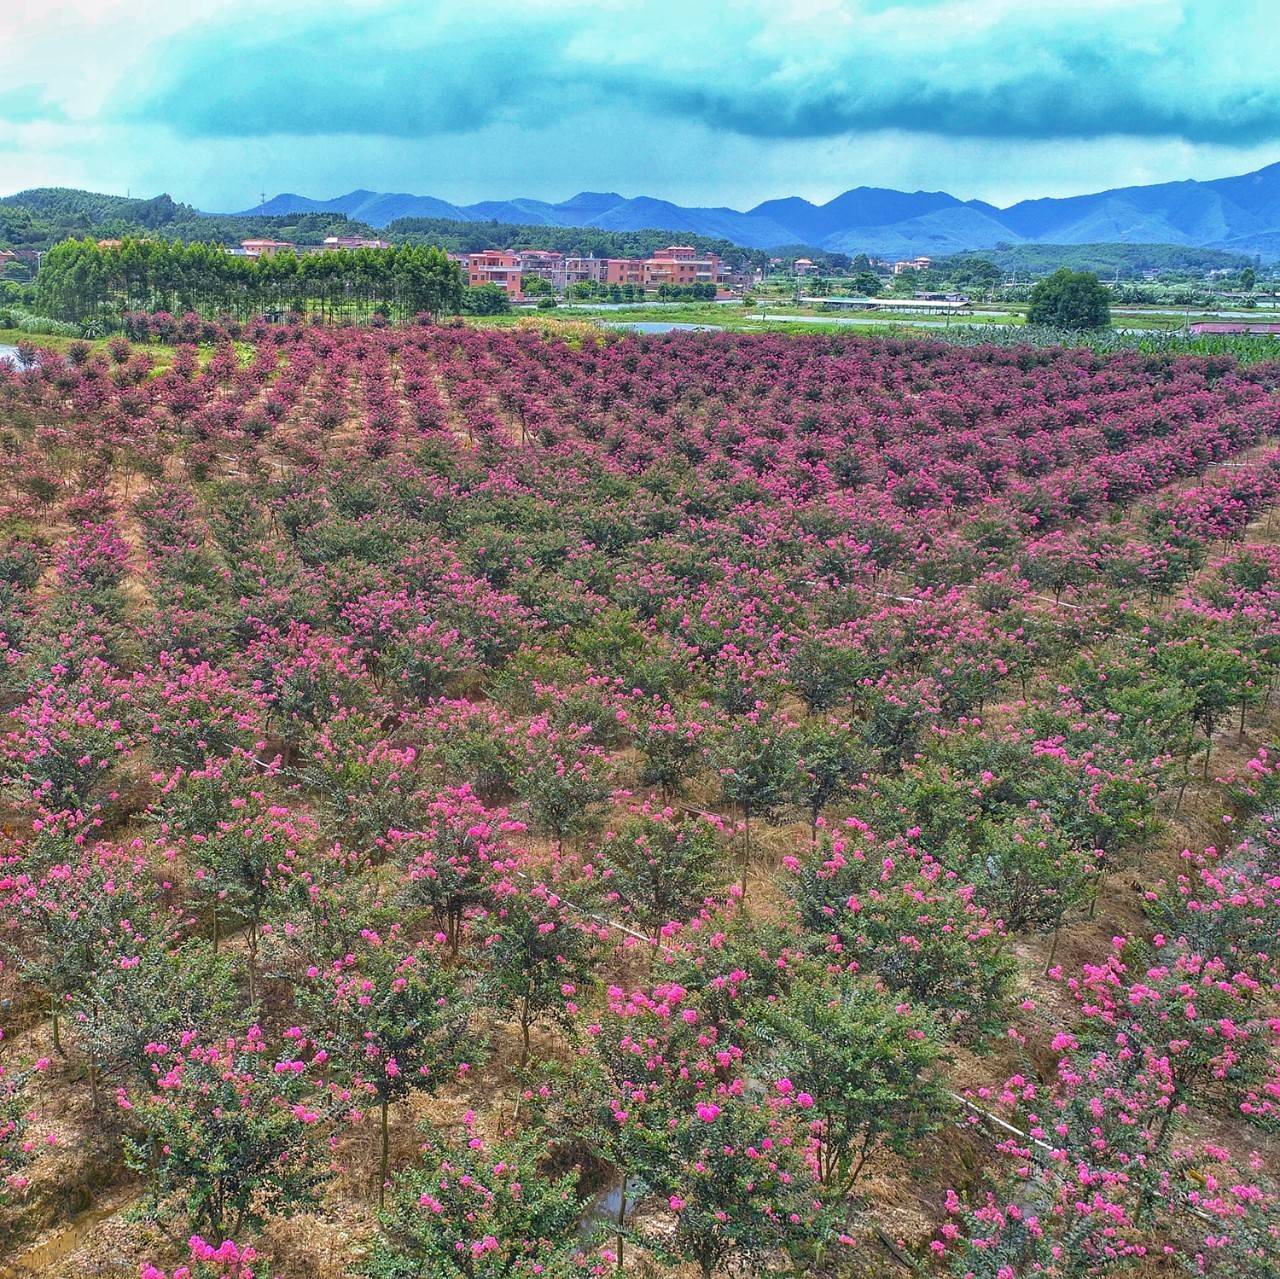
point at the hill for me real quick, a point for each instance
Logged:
(1237, 213)
(1122, 261)
(1240, 215)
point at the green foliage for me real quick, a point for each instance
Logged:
(226, 1141)
(896, 916)
(866, 1062)
(1070, 300)
(162, 995)
(1028, 874)
(824, 673)
(831, 760)
(731, 1208)
(659, 869)
(24, 321)
(81, 280)
(485, 299)
(472, 237)
(538, 958)
(478, 1210)
(1106, 259)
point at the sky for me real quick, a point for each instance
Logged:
(704, 102)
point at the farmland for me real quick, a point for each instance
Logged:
(489, 802)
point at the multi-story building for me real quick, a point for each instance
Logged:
(264, 248)
(912, 264)
(580, 270)
(495, 266)
(679, 264)
(546, 264)
(561, 271)
(353, 242)
(624, 271)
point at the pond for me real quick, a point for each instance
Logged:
(601, 1210)
(657, 326)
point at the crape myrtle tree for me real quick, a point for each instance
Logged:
(163, 992)
(865, 1060)
(245, 868)
(659, 868)
(537, 956)
(450, 863)
(831, 761)
(77, 922)
(14, 1150)
(559, 775)
(391, 1018)
(739, 1188)
(904, 917)
(479, 1209)
(658, 1089)
(756, 760)
(228, 1135)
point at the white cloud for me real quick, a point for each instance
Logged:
(722, 101)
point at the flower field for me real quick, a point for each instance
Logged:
(478, 805)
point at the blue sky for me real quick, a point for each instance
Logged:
(698, 101)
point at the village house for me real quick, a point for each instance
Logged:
(265, 248)
(353, 242)
(677, 264)
(680, 265)
(495, 266)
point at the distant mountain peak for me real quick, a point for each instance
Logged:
(1236, 212)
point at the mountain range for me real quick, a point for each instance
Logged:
(1241, 214)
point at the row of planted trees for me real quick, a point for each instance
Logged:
(85, 282)
(385, 749)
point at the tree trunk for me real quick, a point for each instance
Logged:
(386, 1155)
(622, 1216)
(1053, 946)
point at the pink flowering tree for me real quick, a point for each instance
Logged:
(390, 1019)
(738, 1188)
(14, 1151)
(658, 869)
(862, 1065)
(537, 957)
(228, 1260)
(449, 863)
(246, 868)
(228, 1135)
(905, 918)
(477, 1209)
